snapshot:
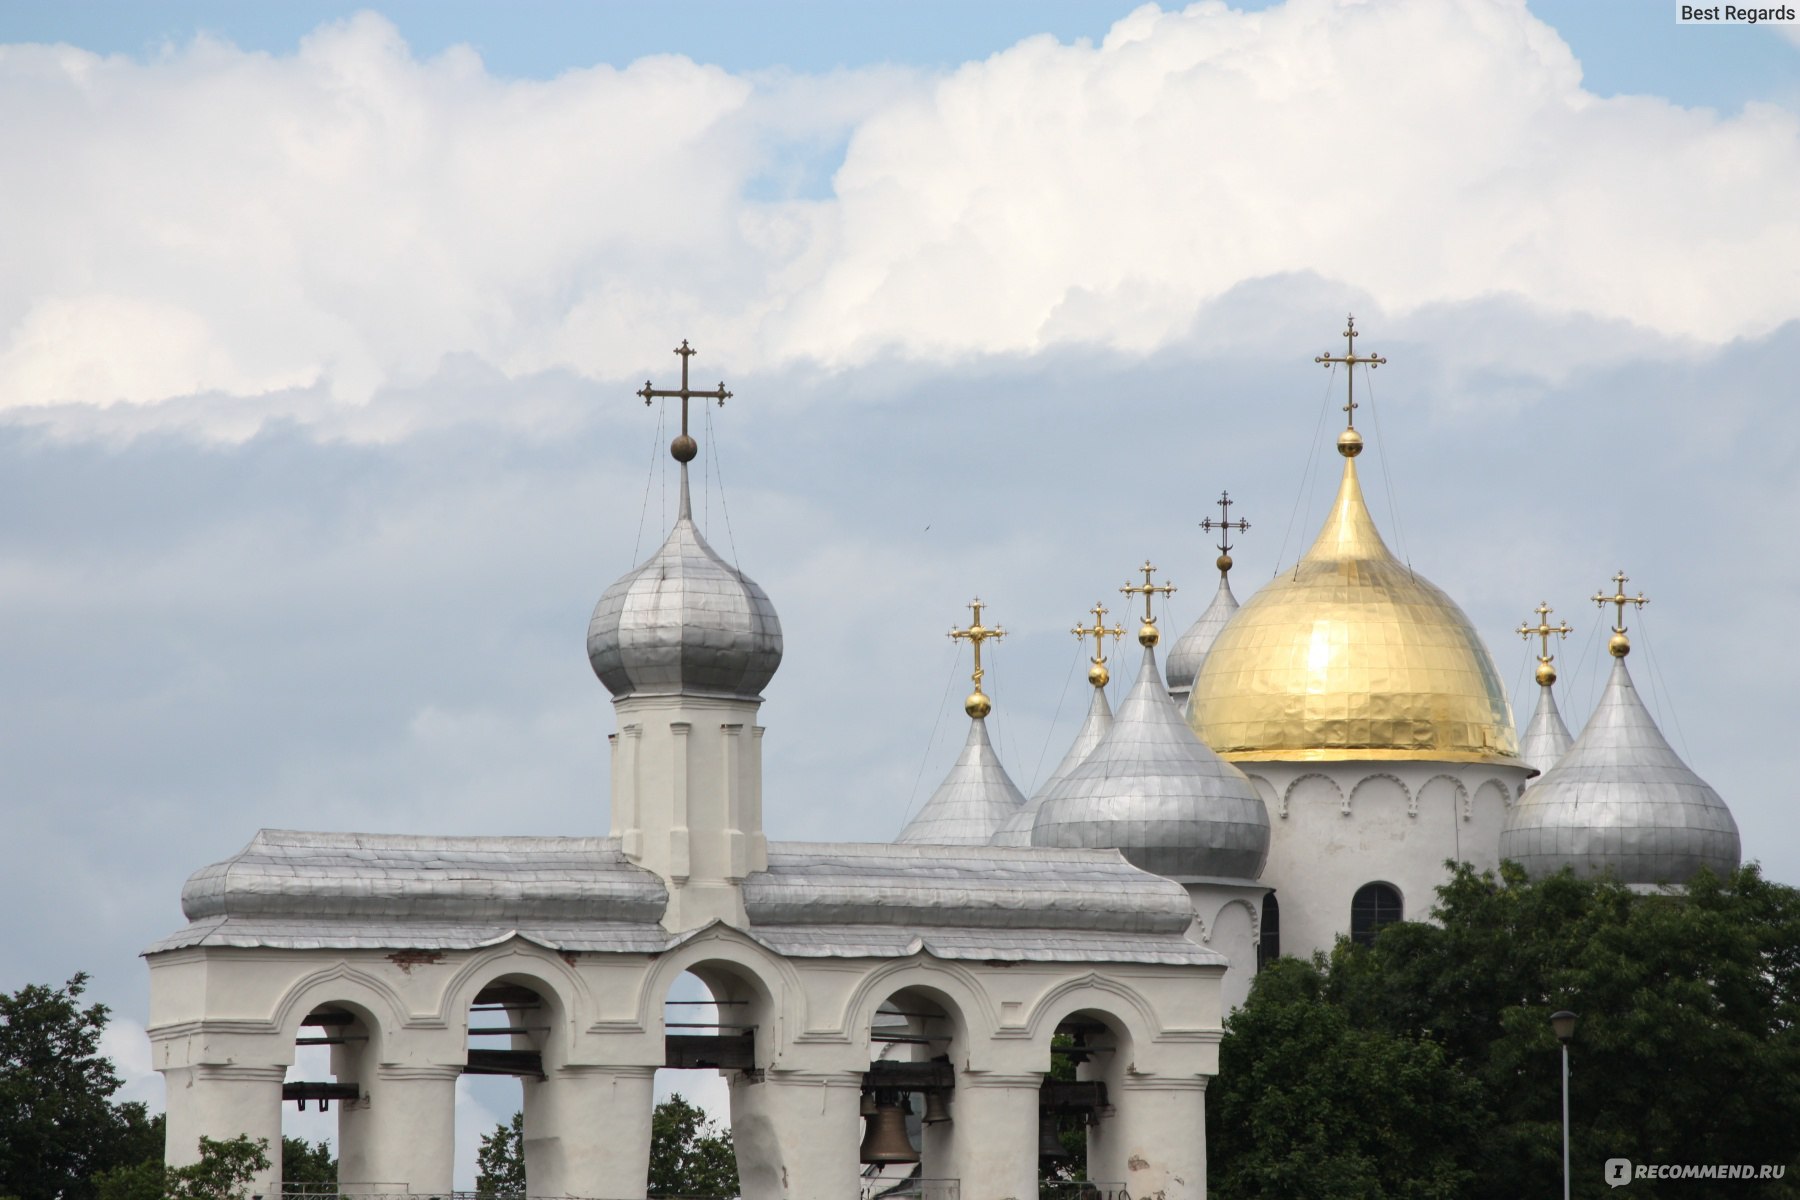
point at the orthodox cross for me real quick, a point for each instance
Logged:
(1225, 525)
(1097, 673)
(684, 447)
(1350, 359)
(1619, 600)
(976, 634)
(1147, 635)
(1546, 674)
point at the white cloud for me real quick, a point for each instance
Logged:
(216, 221)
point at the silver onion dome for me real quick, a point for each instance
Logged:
(1152, 790)
(975, 799)
(685, 622)
(1621, 800)
(1546, 739)
(1016, 829)
(1189, 650)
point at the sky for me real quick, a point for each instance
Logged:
(320, 328)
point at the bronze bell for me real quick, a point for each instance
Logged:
(1049, 1143)
(885, 1140)
(937, 1106)
(867, 1109)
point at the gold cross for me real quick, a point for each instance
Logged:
(1097, 673)
(1350, 359)
(1546, 674)
(976, 634)
(1224, 525)
(1619, 599)
(1147, 591)
(684, 447)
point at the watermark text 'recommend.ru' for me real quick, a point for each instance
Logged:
(1621, 1171)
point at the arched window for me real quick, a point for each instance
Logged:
(1269, 948)
(1374, 905)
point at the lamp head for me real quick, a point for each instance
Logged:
(1564, 1024)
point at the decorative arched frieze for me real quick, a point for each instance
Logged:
(1371, 784)
(1309, 782)
(1207, 928)
(1490, 791)
(1271, 800)
(1449, 787)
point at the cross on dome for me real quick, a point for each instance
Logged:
(1098, 675)
(1546, 674)
(1147, 632)
(1225, 525)
(1350, 441)
(683, 448)
(1620, 645)
(977, 705)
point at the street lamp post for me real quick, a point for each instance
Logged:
(1564, 1024)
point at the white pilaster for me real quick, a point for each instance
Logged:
(220, 1102)
(796, 1134)
(587, 1132)
(997, 1135)
(1155, 1141)
(409, 1127)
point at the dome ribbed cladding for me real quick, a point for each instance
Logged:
(1151, 790)
(685, 623)
(1621, 800)
(972, 803)
(1016, 829)
(1546, 739)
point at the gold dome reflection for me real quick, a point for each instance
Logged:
(1352, 656)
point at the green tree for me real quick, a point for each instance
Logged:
(1687, 1051)
(223, 1172)
(58, 1124)
(689, 1155)
(500, 1162)
(306, 1163)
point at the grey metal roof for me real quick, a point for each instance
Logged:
(296, 889)
(975, 799)
(1152, 790)
(969, 887)
(1546, 738)
(1016, 829)
(984, 945)
(685, 622)
(1621, 800)
(1189, 650)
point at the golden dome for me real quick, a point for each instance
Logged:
(1351, 656)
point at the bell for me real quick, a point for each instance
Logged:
(885, 1140)
(868, 1105)
(1049, 1144)
(937, 1107)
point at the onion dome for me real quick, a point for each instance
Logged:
(1351, 656)
(1621, 800)
(1190, 649)
(975, 799)
(1546, 738)
(685, 623)
(1154, 792)
(1016, 829)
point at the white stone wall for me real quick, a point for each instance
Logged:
(1337, 826)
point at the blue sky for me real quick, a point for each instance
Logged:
(317, 353)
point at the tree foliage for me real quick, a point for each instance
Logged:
(689, 1155)
(223, 1172)
(304, 1162)
(1425, 1065)
(59, 1126)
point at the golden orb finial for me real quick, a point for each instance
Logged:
(1546, 674)
(1619, 645)
(1147, 634)
(1098, 675)
(684, 447)
(1350, 442)
(1224, 525)
(977, 705)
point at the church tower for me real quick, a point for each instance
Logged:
(1369, 715)
(686, 643)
